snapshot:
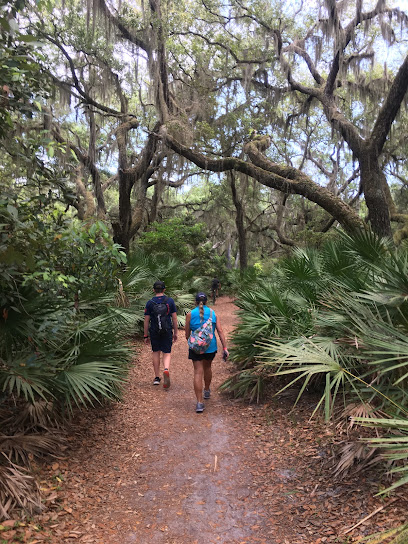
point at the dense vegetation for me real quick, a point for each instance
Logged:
(250, 140)
(334, 320)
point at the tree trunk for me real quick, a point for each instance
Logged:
(122, 228)
(229, 250)
(371, 179)
(239, 222)
(157, 195)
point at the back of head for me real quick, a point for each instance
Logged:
(201, 299)
(159, 286)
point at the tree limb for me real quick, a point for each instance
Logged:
(287, 180)
(389, 109)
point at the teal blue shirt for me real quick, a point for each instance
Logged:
(195, 323)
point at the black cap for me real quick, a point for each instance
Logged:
(158, 285)
(201, 296)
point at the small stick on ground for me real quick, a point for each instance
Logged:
(370, 516)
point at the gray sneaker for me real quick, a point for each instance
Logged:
(207, 394)
(200, 407)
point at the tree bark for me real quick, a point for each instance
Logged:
(239, 222)
(372, 183)
(367, 151)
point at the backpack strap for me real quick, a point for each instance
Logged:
(165, 299)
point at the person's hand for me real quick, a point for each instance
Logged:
(146, 339)
(175, 337)
(225, 355)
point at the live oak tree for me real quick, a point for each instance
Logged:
(352, 39)
(337, 81)
(155, 83)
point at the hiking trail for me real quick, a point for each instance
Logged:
(152, 470)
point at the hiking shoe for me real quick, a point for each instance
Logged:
(207, 394)
(166, 379)
(200, 407)
(157, 380)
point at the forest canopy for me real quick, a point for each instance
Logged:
(119, 111)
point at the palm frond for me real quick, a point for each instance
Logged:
(394, 448)
(17, 489)
(88, 382)
(19, 447)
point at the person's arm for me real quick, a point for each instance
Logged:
(146, 328)
(175, 326)
(187, 326)
(222, 337)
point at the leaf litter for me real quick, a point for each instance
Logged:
(149, 469)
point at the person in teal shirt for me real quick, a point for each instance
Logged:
(202, 362)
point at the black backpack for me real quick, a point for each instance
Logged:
(160, 312)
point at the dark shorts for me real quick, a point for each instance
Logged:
(161, 342)
(201, 356)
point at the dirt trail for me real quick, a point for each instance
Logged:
(192, 485)
(151, 470)
(179, 477)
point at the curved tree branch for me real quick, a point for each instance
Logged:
(285, 179)
(389, 109)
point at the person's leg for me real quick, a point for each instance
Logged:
(166, 343)
(166, 373)
(166, 360)
(156, 362)
(207, 374)
(198, 379)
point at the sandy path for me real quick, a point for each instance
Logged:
(193, 487)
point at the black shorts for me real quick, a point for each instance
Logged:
(161, 342)
(201, 356)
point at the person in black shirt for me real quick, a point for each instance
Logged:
(160, 326)
(215, 286)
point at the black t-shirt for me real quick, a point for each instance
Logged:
(149, 310)
(215, 283)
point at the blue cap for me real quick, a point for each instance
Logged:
(201, 296)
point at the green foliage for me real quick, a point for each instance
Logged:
(177, 236)
(394, 446)
(236, 280)
(44, 250)
(23, 85)
(335, 319)
(350, 298)
(48, 267)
